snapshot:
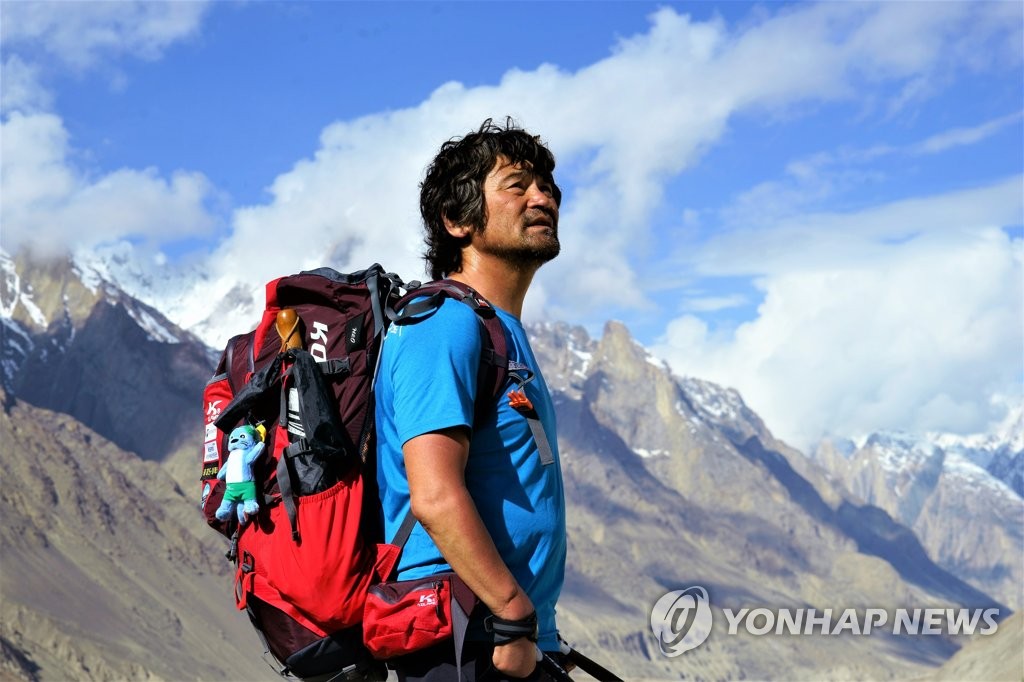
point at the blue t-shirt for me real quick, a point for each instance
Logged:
(427, 382)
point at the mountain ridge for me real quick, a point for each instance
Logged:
(670, 482)
(969, 520)
(92, 351)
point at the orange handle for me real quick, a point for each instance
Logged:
(287, 324)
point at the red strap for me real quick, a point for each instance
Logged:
(243, 584)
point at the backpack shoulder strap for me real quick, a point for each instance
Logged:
(494, 367)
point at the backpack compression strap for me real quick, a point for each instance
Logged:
(427, 299)
(495, 367)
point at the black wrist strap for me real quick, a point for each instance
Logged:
(506, 631)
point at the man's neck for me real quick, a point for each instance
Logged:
(504, 285)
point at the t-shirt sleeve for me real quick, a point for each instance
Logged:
(435, 371)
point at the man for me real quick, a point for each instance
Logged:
(488, 507)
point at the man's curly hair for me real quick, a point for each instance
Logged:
(453, 186)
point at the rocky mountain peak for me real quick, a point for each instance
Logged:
(39, 293)
(620, 352)
(75, 343)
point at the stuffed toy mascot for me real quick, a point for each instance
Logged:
(245, 445)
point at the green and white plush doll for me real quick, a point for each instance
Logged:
(245, 445)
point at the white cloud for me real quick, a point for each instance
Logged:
(80, 34)
(778, 242)
(21, 89)
(625, 124)
(49, 202)
(866, 317)
(50, 206)
(959, 137)
(854, 335)
(708, 304)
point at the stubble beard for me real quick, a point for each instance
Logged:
(531, 252)
(532, 248)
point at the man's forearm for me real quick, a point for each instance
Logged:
(456, 528)
(442, 504)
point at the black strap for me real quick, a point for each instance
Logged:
(506, 631)
(428, 298)
(404, 531)
(411, 310)
(460, 625)
(232, 552)
(284, 482)
(335, 366)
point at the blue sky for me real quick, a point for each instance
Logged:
(818, 204)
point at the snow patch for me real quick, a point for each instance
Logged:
(17, 346)
(14, 295)
(974, 476)
(153, 328)
(584, 357)
(646, 454)
(721, 404)
(896, 452)
(10, 287)
(88, 274)
(33, 310)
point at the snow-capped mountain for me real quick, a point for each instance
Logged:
(74, 342)
(212, 303)
(994, 460)
(1000, 453)
(213, 308)
(966, 510)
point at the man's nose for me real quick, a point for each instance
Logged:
(539, 198)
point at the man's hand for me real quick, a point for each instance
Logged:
(516, 659)
(435, 463)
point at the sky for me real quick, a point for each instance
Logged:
(820, 205)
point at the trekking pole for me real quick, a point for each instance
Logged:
(592, 668)
(553, 669)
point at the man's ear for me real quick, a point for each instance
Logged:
(457, 231)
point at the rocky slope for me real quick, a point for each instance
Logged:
(996, 658)
(107, 572)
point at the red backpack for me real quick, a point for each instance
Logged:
(304, 377)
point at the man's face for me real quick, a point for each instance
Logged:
(522, 216)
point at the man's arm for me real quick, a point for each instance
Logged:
(435, 464)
